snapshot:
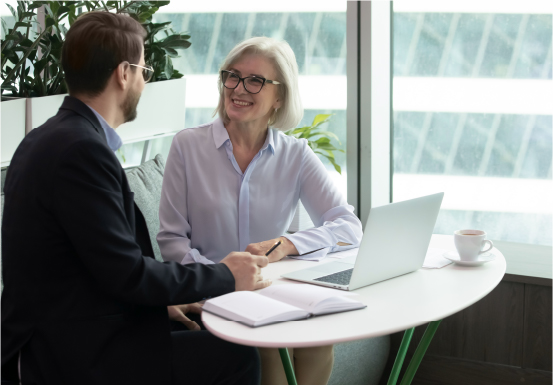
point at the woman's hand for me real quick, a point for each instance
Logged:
(286, 248)
(177, 313)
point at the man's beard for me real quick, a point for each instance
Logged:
(129, 106)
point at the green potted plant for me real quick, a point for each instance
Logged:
(320, 141)
(31, 65)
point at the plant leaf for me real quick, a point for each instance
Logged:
(14, 14)
(61, 29)
(171, 52)
(331, 160)
(72, 14)
(322, 140)
(329, 134)
(144, 16)
(48, 10)
(168, 67)
(12, 73)
(35, 5)
(21, 24)
(320, 118)
(5, 28)
(176, 75)
(62, 9)
(336, 167)
(11, 37)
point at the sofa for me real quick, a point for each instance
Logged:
(355, 363)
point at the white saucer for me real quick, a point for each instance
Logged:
(482, 258)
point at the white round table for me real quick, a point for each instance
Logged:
(393, 305)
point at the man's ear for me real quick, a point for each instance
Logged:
(121, 75)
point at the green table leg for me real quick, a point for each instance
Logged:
(417, 357)
(398, 363)
(419, 353)
(288, 369)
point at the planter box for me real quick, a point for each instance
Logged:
(161, 110)
(301, 220)
(13, 128)
(41, 109)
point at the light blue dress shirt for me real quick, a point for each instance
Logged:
(113, 139)
(209, 207)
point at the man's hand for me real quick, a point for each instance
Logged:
(286, 248)
(246, 269)
(177, 313)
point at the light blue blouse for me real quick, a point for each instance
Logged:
(210, 208)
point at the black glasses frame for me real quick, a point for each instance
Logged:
(243, 80)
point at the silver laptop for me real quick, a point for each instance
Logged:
(394, 243)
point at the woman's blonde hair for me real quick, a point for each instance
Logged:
(283, 59)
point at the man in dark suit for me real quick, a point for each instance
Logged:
(81, 303)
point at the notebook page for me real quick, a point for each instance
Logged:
(248, 305)
(304, 296)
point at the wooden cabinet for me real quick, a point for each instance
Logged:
(503, 339)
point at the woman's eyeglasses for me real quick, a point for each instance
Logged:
(252, 84)
(147, 72)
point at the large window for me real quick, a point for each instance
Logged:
(317, 35)
(473, 101)
(472, 98)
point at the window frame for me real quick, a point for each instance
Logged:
(368, 149)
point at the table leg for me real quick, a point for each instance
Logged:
(398, 363)
(288, 369)
(417, 357)
(419, 353)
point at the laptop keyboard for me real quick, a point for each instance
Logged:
(340, 278)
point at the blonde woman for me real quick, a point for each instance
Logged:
(233, 184)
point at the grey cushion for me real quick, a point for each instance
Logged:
(145, 181)
(360, 362)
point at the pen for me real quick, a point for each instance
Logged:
(272, 248)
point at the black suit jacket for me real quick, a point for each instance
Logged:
(80, 300)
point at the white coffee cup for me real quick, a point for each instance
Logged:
(469, 244)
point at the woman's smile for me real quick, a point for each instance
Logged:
(241, 103)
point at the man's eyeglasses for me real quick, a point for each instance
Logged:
(147, 72)
(252, 84)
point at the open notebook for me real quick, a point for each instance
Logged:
(280, 303)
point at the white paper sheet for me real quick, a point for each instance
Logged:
(344, 254)
(434, 259)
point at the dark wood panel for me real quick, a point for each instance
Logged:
(435, 370)
(491, 330)
(537, 328)
(503, 339)
(526, 279)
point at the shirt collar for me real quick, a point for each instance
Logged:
(220, 136)
(113, 139)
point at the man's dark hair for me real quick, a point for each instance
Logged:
(95, 45)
